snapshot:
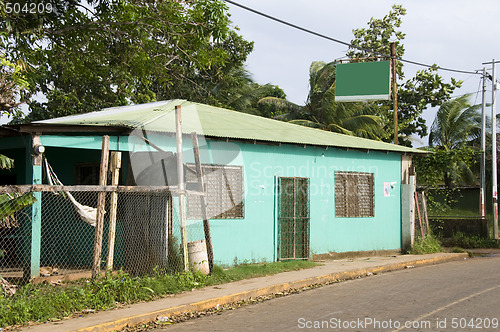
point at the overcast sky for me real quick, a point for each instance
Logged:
(459, 34)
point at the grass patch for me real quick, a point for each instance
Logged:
(467, 241)
(453, 212)
(428, 245)
(43, 302)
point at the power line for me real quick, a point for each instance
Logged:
(346, 43)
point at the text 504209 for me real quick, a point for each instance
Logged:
(28, 8)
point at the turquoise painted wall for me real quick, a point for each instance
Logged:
(254, 238)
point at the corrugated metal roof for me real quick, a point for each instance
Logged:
(219, 122)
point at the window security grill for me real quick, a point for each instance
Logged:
(224, 192)
(354, 194)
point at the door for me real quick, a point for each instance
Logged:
(293, 218)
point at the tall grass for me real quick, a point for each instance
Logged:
(44, 302)
(428, 245)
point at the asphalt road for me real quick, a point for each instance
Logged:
(456, 296)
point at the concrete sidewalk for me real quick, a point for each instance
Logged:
(209, 297)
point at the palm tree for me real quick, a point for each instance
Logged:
(455, 126)
(237, 90)
(456, 123)
(321, 111)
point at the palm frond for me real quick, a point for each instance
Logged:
(280, 103)
(339, 129)
(11, 203)
(6, 162)
(307, 123)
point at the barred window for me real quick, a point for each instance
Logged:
(354, 194)
(87, 173)
(224, 192)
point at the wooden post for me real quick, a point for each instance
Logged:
(201, 187)
(419, 217)
(425, 216)
(394, 91)
(182, 191)
(101, 200)
(116, 162)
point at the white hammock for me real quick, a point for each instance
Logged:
(87, 213)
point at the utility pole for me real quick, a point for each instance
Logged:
(494, 171)
(494, 150)
(482, 191)
(394, 91)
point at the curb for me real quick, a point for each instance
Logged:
(211, 303)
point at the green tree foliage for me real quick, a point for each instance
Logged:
(443, 166)
(11, 203)
(369, 43)
(455, 126)
(87, 55)
(426, 89)
(13, 85)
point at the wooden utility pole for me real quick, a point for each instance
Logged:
(394, 90)
(181, 186)
(101, 201)
(201, 187)
(116, 162)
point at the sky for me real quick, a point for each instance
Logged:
(454, 34)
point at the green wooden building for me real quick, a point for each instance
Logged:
(275, 190)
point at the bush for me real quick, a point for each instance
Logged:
(466, 241)
(428, 245)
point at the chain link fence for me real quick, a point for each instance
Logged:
(147, 235)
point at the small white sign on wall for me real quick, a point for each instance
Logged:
(389, 189)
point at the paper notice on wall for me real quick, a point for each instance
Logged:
(389, 189)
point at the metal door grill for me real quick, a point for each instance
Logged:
(293, 218)
(354, 196)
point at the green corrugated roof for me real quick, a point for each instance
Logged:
(219, 122)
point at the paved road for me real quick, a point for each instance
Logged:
(456, 296)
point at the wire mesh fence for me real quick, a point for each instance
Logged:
(56, 238)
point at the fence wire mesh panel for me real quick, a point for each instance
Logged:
(66, 240)
(147, 236)
(294, 218)
(14, 245)
(354, 195)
